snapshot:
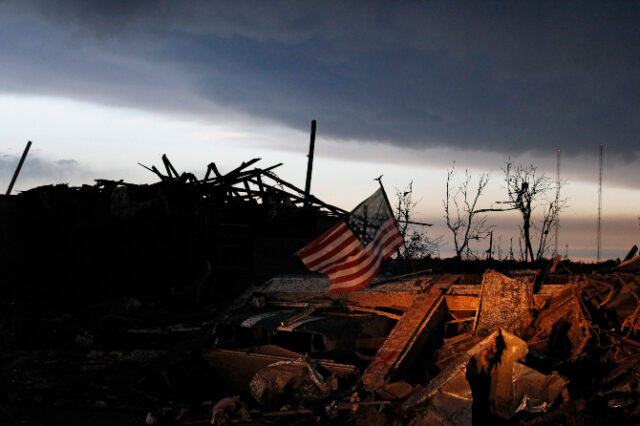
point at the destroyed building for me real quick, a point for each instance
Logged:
(181, 302)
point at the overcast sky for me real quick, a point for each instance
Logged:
(399, 88)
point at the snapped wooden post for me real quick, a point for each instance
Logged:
(312, 142)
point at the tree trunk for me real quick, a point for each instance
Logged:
(458, 249)
(527, 237)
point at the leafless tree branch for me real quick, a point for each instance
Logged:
(525, 188)
(461, 214)
(417, 243)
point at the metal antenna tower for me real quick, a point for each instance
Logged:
(600, 203)
(557, 224)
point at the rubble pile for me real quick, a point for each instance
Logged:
(180, 302)
(176, 244)
(108, 292)
(438, 349)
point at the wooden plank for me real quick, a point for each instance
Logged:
(462, 303)
(474, 289)
(417, 324)
(540, 299)
(470, 303)
(399, 301)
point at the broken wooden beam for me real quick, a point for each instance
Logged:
(631, 253)
(312, 141)
(416, 326)
(18, 168)
(171, 171)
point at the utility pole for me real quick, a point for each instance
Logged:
(312, 143)
(600, 204)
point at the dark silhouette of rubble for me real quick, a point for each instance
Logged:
(181, 301)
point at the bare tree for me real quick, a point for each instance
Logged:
(404, 208)
(549, 219)
(525, 189)
(461, 214)
(418, 244)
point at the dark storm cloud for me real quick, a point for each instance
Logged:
(505, 76)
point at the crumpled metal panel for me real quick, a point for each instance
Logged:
(512, 386)
(535, 391)
(295, 377)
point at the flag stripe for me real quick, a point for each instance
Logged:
(349, 263)
(362, 279)
(385, 232)
(366, 264)
(341, 255)
(331, 254)
(323, 239)
(356, 284)
(328, 246)
(365, 279)
(329, 266)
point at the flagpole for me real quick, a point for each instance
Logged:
(404, 242)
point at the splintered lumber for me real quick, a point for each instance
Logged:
(631, 253)
(312, 140)
(399, 300)
(211, 168)
(235, 185)
(397, 296)
(171, 171)
(418, 323)
(373, 311)
(632, 264)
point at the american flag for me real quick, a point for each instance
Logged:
(351, 252)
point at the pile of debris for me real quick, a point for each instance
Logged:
(123, 303)
(435, 349)
(108, 292)
(182, 243)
